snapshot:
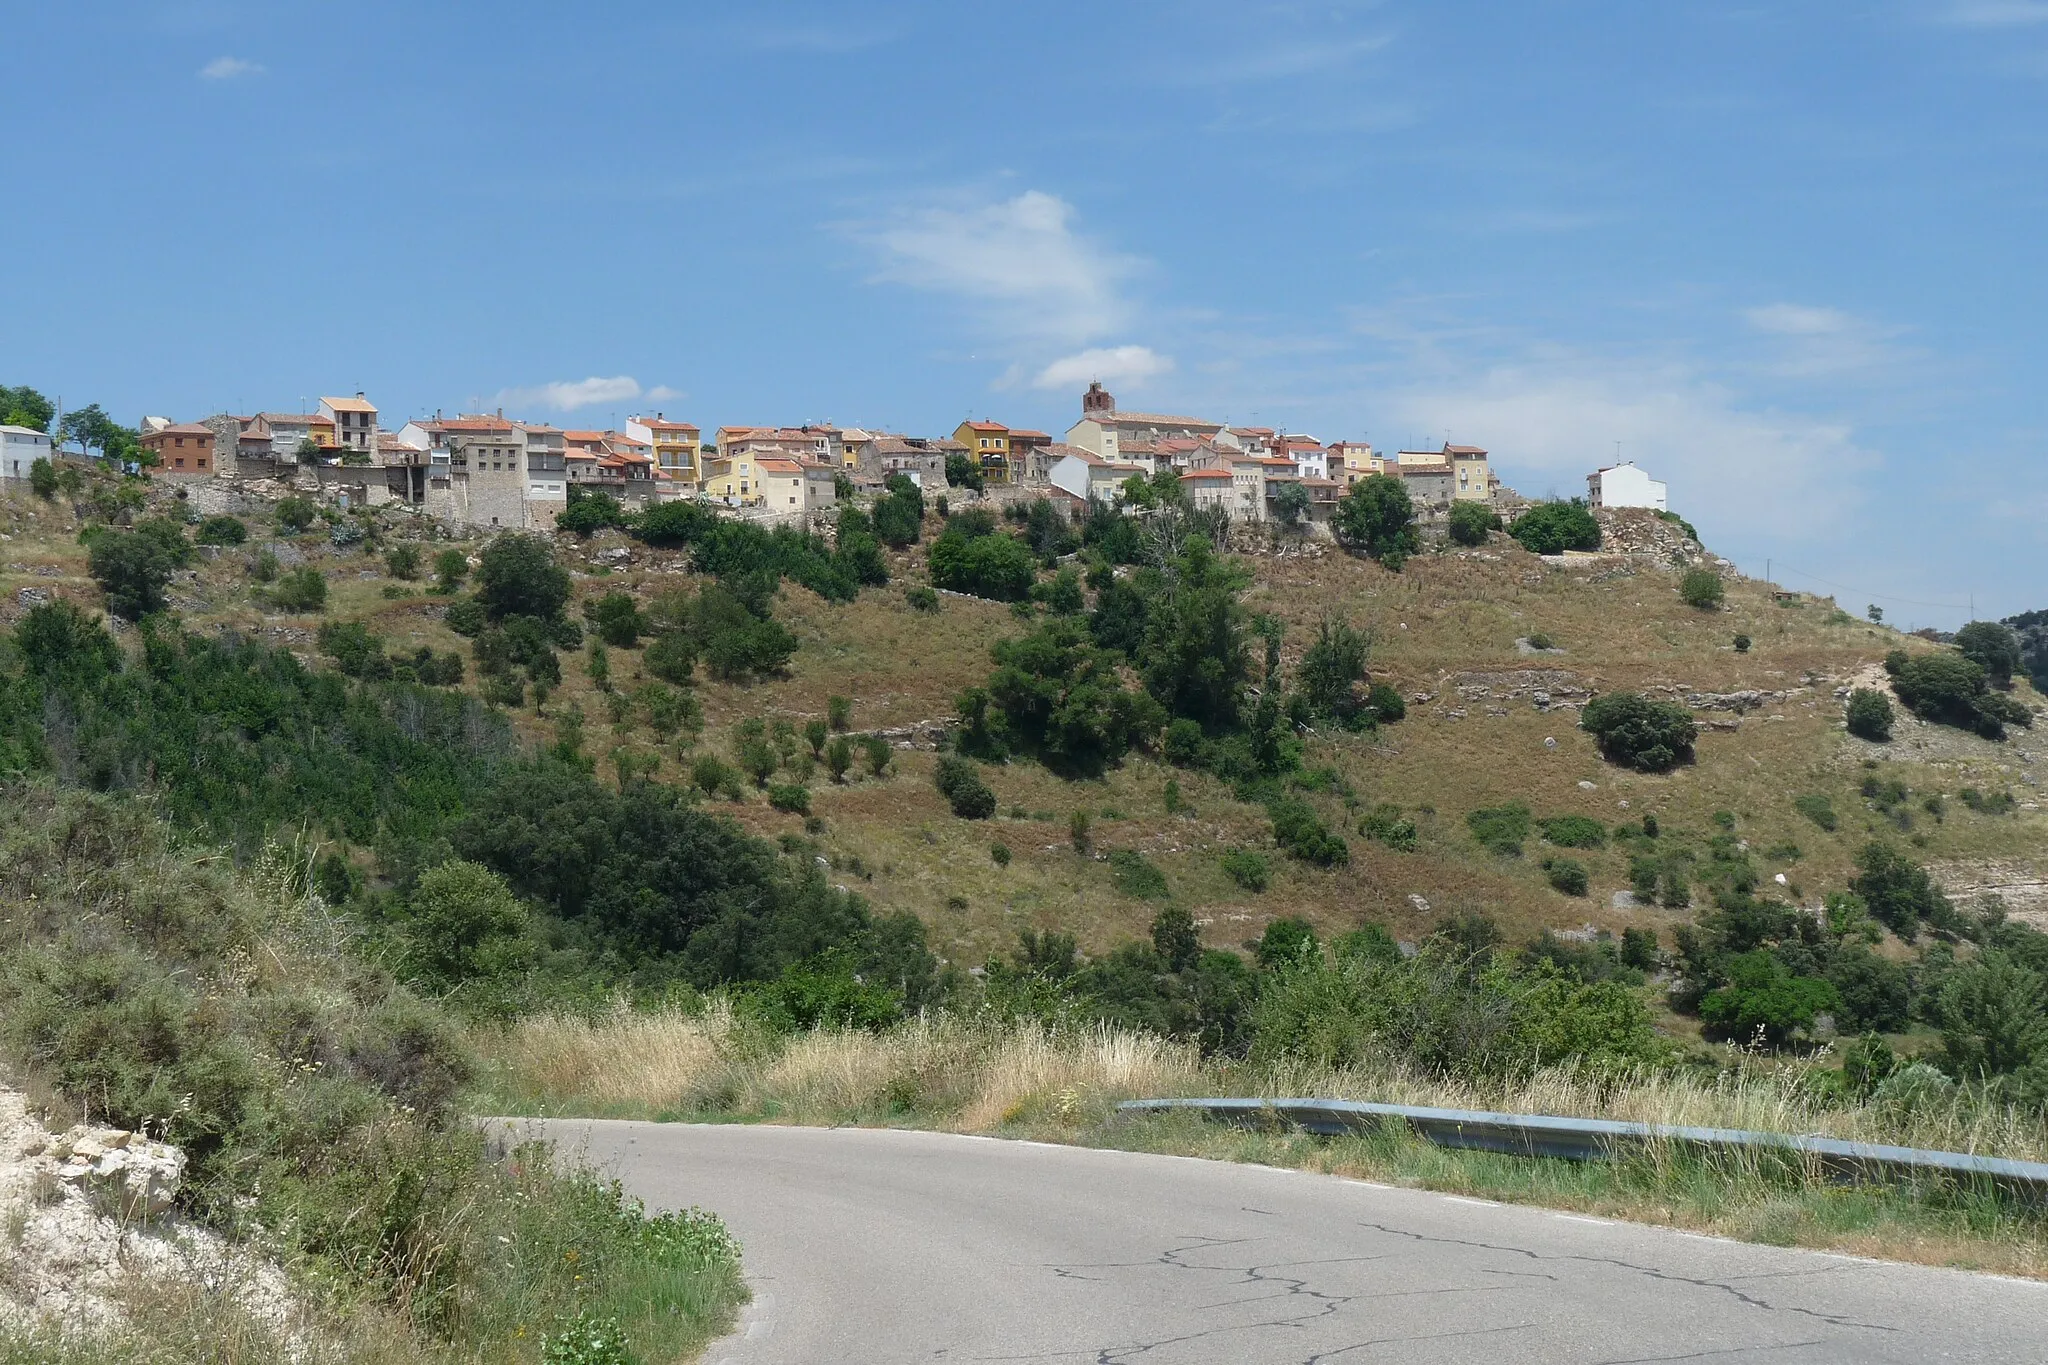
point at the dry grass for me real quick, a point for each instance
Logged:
(1026, 1080)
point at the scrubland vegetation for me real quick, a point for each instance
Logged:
(675, 815)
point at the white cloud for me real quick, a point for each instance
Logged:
(227, 68)
(1044, 281)
(1730, 467)
(661, 392)
(1110, 364)
(1817, 342)
(1995, 13)
(569, 395)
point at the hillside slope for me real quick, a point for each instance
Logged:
(1490, 722)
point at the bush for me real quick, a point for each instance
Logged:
(1991, 1017)
(1742, 644)
(1818, 809)
(222, 530)
(921, 598)
(295, 514)
(1701, 589)
(1385, 703)
(1950, 689)
(959, 781)
(1386, 824)
(589, 512)
(1376, 518)
(1551, 528)
(876, 754)
(1993, 647)
(304, 589)
(1500, 829)
(133, 570)
(1574, 831)
(793, 798)
(616, 618)
(517, 576)
(1301, 833)
(1764, 999)
(1873, 994)
(991, 564)
(671, 524)
(1898, 891)
(1288, 942)
(1137, 877)
(1636, 732)
(1000, 854)
(1471, 521)
(1248, 869)
(1870, 715)
(42, 475)
(403, 562)
(672, 658)
(1566, 875)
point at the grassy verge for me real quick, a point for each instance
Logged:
(145, 984)
(1026, 1081)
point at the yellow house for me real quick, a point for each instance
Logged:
(1357, 459)
(990, 444)
(674, 445)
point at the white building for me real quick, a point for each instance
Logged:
(1087, 475)
(1623, 485)
(21, 447)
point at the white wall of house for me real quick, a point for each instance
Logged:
(1624, 485)
(21, 447)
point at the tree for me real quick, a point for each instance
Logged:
(839, 757)
(1330, 673)
(132, 569)
(589, 512)
(1376, 518)
(1947, 687)
(1175, 939)
(42, 475)
(1701, 589)
(303, 589)
(22, 406)
(1636, 732)
(1993, 647)
(1291, 502)
(899, 513)
(616, 618)
(465, 923)
(1870, 715)
(222, 530)
(1060, 696)
(1875, 613)
(517, 576)
(963, 471)
(451, 566)
(1471, 522)
(1551, 528)
(1991, 1016)
(1194, 656)
(403, 562)
(1897, 890)
(1764, 998)
(992, 565)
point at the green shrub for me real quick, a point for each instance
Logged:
(1764, 999)
(1248, 869)
(451, 567)
(303, 589)
(1701, 589)
(1302, 834)
(959, 781)
(989, 564)
(1950, 689)
(672, 657)
(1566, 875)
(295, 514)
(403, 562)
(1470, 522)
(517, 576)
(1994, 647)
(1742, 643)
(616, 618)
(921, 598)
(1386, 824)
(1636, 732)
(1385, 703)
(1900, 894)
(1000, 854)
(1870, 715)
(1376, 518)
(222, 530)
(1818, 809)
(133, 569)
(2000, 803)
(1574, 831)
(1288, 942)
(1551, 528)
(793, 798)
(1541, 640)
(1500, 829)
(1135, 876)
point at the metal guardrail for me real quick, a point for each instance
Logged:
(1605, 1139)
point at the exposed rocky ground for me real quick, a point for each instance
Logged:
(86, 1220)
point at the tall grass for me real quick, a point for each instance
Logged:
(978, 1075)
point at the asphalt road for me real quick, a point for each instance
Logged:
(881, 1247)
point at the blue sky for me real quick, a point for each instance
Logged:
(1788, 256)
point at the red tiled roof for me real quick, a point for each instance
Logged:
(1159, 419)
(1223, 474)
(985, 426)
(771, 464)
(1020, 434)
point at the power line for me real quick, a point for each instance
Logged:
(1881, 597)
